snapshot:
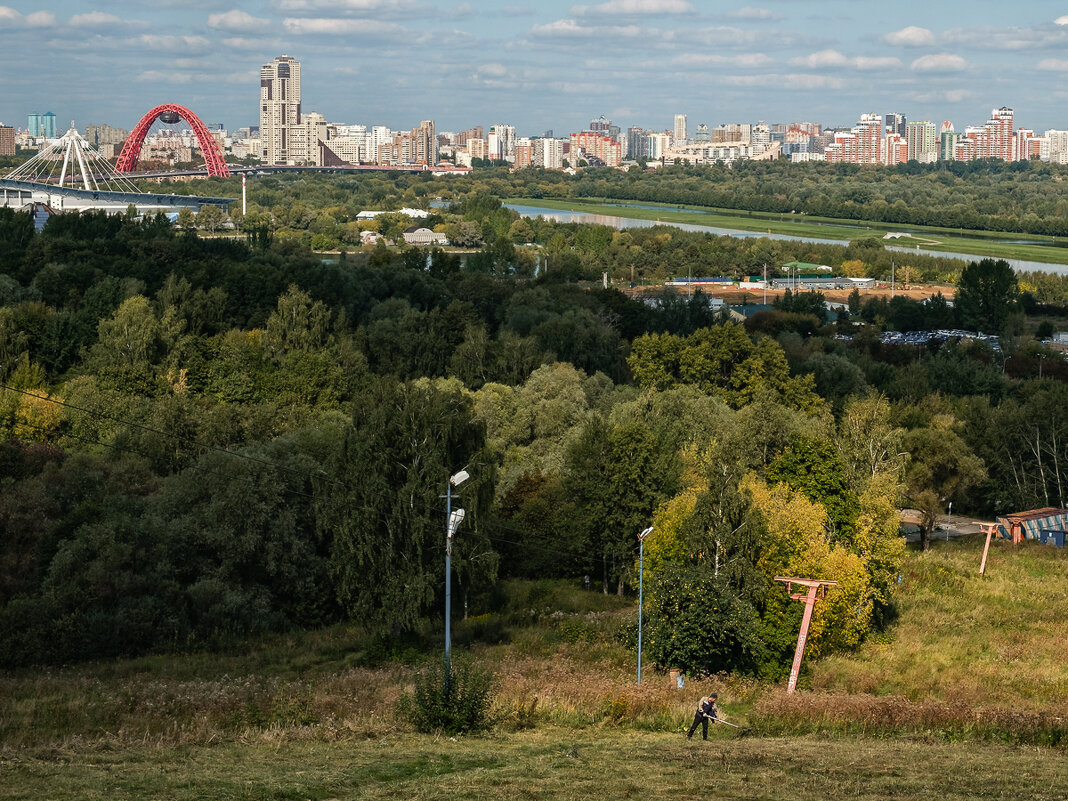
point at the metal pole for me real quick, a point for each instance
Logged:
(448, 585)
(641, 573)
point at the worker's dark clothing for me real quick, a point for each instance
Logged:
(706, 711)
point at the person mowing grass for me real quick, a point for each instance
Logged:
(706, 711)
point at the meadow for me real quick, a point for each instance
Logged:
(992, 244)
(965, 695)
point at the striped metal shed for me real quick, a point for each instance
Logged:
(1029, 525)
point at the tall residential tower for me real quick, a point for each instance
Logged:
(280, 112)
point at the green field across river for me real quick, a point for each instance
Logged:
(992, 244)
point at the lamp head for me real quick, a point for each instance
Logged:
(455, 519)
(459, 478)
(645, 533)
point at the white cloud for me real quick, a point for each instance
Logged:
(824, 58)
(9, 14)
(911, 36)
(41, 19)
(393, 7)
(793, 81)
(636, 7)
(1061, 20)
(95, 18)
(180, 44)
(752, 13)
(517, 11)
(236, 20)
(462, 10)
(1053, 65)
(876, 63)
(708, 59)
(495, 70)
(832, 58)
(942, 62)
(1011, 39)
(340, 27)
(569, 28)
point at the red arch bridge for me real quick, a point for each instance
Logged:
(170, 113)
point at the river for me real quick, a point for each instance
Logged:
(568, 216)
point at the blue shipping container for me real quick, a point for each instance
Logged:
(1051, 537)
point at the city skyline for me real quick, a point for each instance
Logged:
(638, 62)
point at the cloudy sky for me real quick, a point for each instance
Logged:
(539, 65)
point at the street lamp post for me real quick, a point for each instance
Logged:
(452, 522)
(641, 574)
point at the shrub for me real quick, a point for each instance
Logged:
(459, 705)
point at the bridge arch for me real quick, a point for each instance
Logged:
(131, 151)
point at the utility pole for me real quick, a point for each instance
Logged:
(988, 529)
(817, 589)
(452, 522)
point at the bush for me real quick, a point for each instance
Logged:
(459, 705)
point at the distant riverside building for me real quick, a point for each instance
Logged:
(895, 123)
(947, 142)
(863, 144)
(1056, 146)
(702, 135)
(280, 112)
(524, 153)
(922, 140)
(98, 135)
(42, 125)
(500, 142)
(417, 147)
(7, 140)
(597, 146)
(604, 126)
(680, 129)
(994, 140)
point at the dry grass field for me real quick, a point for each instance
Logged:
(966, 696)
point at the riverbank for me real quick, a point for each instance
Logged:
(1036, 252)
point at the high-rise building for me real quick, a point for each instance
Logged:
(598, 148)
(922, 139)
(680, 129)
(280, 112)
(994, 140)
(863, 144)
(1056, 146)
(98, 135)
(42, 125)
(702, 134)
(603, 125)
(7, 140)
(895, 123)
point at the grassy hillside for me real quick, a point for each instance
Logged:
(973, 670)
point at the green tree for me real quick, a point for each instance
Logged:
(987, 295)
(942, 468)
(386, 516)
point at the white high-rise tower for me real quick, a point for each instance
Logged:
(280, 112)
(680, 129)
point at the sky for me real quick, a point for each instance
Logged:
(540, 65)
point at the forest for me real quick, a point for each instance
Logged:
(205, 437)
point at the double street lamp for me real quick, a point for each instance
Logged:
(452, 522)
(641, 574)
